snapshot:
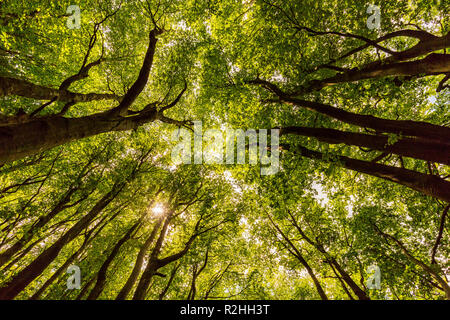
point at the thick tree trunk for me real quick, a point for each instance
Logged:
(408, 147)
(85, 289)
(433, 64)
(425, 183)
(34, 135)
(22, 140)
(146, 278)
(401, 127)
(23, 88)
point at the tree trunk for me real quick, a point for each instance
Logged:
(296, 253)
(419, 129)
(101, 275)
(23, 88)
(85, 288)
(195, 274)
(155, 263)
(11, 289)
(152, 265)
(426, 45)
(22, 140)
(89, 237)
(433, 64)
(310, 271)
(424, 266)
(169, 282)
(425, 183)
(407, 147)
(42, 221)
(58, 272)
(139, 262)
(346, 277)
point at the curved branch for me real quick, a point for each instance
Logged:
(439, 237)
(17, 87)
(408, 147)
(401, 127)
(427, 184)
(177, 99)
(142, 78)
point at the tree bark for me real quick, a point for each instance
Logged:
(430, 185)
(11, 289)
(433, 64)
(152, 265)
(39, 134)
(101, 275)
(419, 129)
(296, 253)
(408, 147)
(41, 222)
(58, 272)
(424, 266)
(126, 289)
(155, 263)
(345, 276)
(22, 140)
(24, 88)
(89, 237)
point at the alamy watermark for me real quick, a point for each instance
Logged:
(208, 147)
(74, 280)
(374, 279)
(374, 20)
(74, 20)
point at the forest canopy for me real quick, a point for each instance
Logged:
(347, 100)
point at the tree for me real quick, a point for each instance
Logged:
(87, 178)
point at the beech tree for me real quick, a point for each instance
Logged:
(91, 107)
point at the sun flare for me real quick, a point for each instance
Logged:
(158, 209)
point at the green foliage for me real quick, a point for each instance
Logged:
(216, 47)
